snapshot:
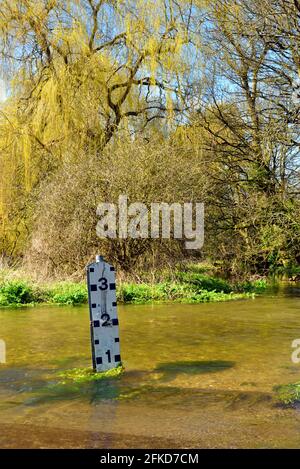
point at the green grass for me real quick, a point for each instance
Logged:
(190, 285)
(288, 394)
(199, 281)
(173, 292)
(199, 268)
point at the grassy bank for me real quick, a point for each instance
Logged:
(191, 285)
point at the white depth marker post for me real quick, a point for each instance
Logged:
(101, 280)
(2, 351)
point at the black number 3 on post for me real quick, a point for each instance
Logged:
(104, 284)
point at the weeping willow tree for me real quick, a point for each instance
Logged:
(90, 81)
(80, 73)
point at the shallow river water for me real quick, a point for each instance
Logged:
(195, 376)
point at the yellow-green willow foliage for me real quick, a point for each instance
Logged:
(79, 72)
(86, 67)
(20, 169)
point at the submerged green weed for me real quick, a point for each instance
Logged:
(288, 394)
(86, 375)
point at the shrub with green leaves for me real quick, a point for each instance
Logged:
(255, 286)
(136, 293)
(17, 292)
(68, 293)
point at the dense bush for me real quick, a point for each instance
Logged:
(68, 293)
(17, 292)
